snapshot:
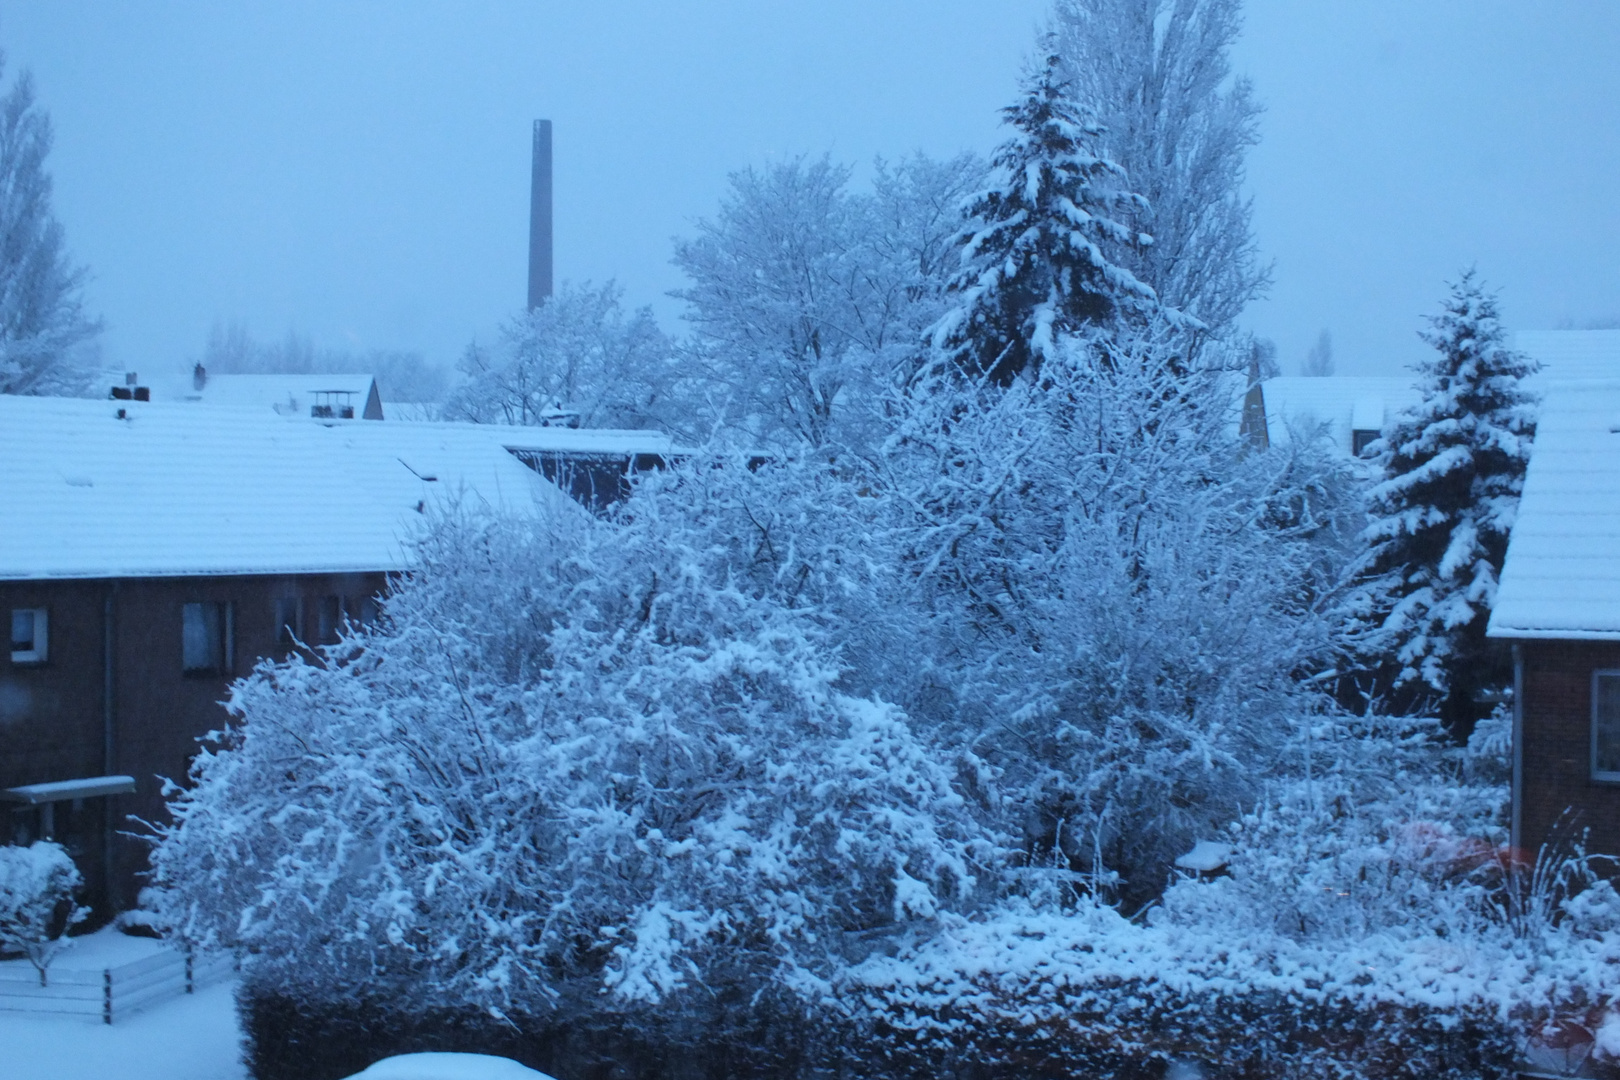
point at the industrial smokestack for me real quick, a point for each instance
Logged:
(540, 216)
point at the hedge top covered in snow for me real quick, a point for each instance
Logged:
(1562, 576)
(170, 489)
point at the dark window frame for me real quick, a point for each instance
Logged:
(219, 639)
(40, 654)
(1597, 775)
(289, 615)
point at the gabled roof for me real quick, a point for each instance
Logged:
(176, 490)
(1571, 354)
(1343, 403)
(1562, 574)
(286, 395)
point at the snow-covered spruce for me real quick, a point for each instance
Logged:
(1036, 259)
(586, 760)
(1453, 470)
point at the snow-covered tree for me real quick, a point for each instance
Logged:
(44, 330)
(1319, 360)
(1120, 597)
(1156, 76)
(37, 888)
(588, 762)
(809, 301)
(577, 359)
(1039, 261)
(402, 375)
(1453, 468)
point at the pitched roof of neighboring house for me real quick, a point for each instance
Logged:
(173, 490)
(1343, 403)
(1571, 354)
(1562, 575)
(288, 395)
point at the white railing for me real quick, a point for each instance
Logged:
(112, 991)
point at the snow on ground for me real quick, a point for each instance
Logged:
(188, 1037)
(107, 947)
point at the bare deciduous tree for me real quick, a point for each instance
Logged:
(1156, 76)
(44, 330)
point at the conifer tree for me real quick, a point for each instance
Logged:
(1036, 261)
(1453, 469)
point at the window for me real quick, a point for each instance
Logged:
(289, 630)
(362, 610)
(208, 638)
(329, 619)
(30, 635)
(1361, 438)
(1606, 725)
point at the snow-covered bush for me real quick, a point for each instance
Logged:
(1120, 599)
(1372, 923)
(37, 887)
(570, 760)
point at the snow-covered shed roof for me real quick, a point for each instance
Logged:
(287, 395)
(1344, 403)
(1562, 574)
(175, 490)
(1571, 354)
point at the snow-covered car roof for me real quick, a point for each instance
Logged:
(1562, 574)
(448, 1066)
(173, 490)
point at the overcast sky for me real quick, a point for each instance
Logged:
(358, 172)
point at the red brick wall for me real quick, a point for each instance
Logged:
(52, 715)
(1555, 751)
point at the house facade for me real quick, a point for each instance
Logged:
(153, 552)
(1558, 604)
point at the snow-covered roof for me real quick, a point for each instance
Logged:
(287, 395)
(1344, 403)
(176, 490)
(1562, 575)
(1571, 354)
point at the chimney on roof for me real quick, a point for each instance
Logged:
(540, 216)
(199, 377)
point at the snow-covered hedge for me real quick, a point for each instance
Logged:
(1354, 936)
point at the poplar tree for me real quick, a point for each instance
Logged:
(1157, 75)
(43, 325)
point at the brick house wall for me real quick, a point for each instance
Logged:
(57, 718)
(1555, 794)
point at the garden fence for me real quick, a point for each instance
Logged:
(113, 991)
